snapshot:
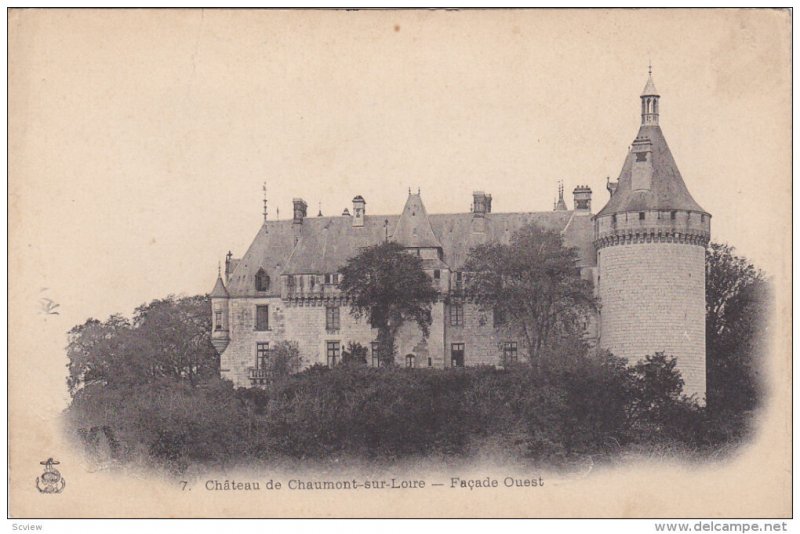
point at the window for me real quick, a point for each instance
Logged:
(290, 282)
(375, 359)
(459, 281)
(332, 318)
(673, 214)
(262, 280)
(430, 362)
(410, 358)
(332, 352)
(457, 355)
(641, 215)
(509, 352)
(436, 274)
(499, 317)
(614, 219)
(218, 320)
(262, 355)
(262, 317)
(456, 315)
(332, 278)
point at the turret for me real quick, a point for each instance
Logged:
(650, 98)
(220, 332)
(650, 240)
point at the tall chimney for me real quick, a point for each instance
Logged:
(359, 205)
(582, 196)
(300, 208)
(481, 204)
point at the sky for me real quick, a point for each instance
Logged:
(139, 140)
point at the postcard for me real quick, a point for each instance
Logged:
(399, 263)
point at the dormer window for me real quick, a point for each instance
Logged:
(262, 280)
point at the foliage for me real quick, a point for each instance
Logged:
(284, 360)
(534, 283)
(737, 298)
(577, 405)
(355, 354)
(388, 286)
(167, 338)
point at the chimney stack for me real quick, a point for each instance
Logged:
(359, 205)
(481, 204)
(582, 196)
(300, 208)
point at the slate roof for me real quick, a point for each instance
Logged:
(219, 290)
(323, 244)
(413, 228)
(650, 88)
(270, 250)
(667, 190)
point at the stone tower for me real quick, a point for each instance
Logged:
(650, 240)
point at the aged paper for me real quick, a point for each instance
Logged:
(139, 141)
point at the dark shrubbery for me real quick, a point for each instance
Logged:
(593, 404)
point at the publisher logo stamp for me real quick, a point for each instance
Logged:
(51, 480)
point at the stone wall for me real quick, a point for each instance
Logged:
(306, 325)
(653, 300)
(482, 341)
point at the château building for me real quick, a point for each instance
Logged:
(644, 251)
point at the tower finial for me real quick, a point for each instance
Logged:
(649, 68)
(319, 214)
(560, 205)
(219, 269)
(264, 188)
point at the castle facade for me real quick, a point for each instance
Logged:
(644, 251)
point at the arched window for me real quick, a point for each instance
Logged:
(262, 280)
(410, 360)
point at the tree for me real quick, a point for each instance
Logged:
(167, 339)
(737, 295)
(534, 284)
(659, 384)
(387, 285)
(355, 355)
(284, 360)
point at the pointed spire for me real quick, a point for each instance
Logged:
(413, 228)
(560, 204)
(320, 210)
(219, 291)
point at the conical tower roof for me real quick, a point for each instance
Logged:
(219, 291)
(650, 87)
(667, 190)
(413, 229)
